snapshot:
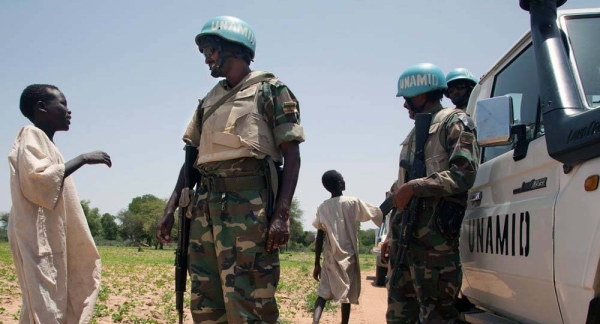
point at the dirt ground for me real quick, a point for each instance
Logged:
(370, 310)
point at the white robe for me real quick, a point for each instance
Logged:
(57, 262)
(340, 274)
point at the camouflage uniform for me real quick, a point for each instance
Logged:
(431, 272)
(233, 277)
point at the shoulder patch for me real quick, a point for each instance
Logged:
(467, 138)
(290, 107)
(467, 121)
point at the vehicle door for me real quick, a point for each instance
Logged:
(507, 234)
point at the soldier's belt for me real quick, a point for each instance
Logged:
(233, 184)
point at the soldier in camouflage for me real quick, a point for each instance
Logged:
(241, 210)
(431, 272)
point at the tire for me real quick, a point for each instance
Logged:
(380, 274)
(462, 304)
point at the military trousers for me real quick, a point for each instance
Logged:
(233, 278)
(429, 277)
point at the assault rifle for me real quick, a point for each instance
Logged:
(183, 233)
(387, 205)
(415, 171)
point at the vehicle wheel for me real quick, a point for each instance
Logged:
(380, 274)
(463, 304)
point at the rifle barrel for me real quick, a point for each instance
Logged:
(181, 259)
(416, 170)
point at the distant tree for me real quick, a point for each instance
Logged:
(309, 238)
(148, 209)
(4, 219)
(296, 229)
(132, 225)
(110, 229)
(92, 216)
(3, 224)
(367, 237)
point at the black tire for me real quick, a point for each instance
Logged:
(380, 274)
(463, 304)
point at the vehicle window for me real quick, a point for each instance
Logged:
(518, 80)
(583, 34)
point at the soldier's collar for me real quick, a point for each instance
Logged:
(225, 84)
(436, 109)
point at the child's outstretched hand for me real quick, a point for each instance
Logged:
(96, 157)
(317, 272)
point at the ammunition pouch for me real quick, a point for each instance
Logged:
(449, 214)
(185, 197)
(186, 201)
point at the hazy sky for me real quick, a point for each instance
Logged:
(132, 75)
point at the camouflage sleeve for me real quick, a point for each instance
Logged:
(463, 157)
(283, 112)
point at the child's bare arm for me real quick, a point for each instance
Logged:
(96, 157)
(318, 250)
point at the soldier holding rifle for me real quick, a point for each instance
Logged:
(247, 131)
(425, 263)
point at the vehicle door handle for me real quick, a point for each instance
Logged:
(476, 196)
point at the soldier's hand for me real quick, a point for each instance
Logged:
(279, 229)
(317, 272)
(402, 196)
(163, 230)
(385, 250)
(96, 157)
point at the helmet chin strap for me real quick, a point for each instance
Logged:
(216, 71)
(224, 52)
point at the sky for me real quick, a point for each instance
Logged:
(132, 74)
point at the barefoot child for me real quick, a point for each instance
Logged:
(338, 218)
(57, 262)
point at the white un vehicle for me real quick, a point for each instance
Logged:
(530, 239)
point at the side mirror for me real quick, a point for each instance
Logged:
(494, 117)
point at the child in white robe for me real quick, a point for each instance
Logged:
(57, 263)
(337, 218)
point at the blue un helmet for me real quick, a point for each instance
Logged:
(419, 79)
(458, 79)
(231, 29)
(461, 74)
